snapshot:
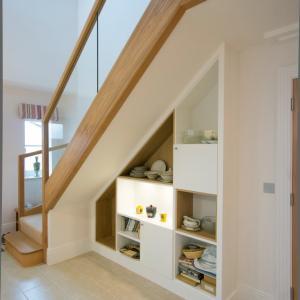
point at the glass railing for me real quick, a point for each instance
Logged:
(31, 179)
(106, 40)
(116, 23)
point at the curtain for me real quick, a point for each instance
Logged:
(35, 112)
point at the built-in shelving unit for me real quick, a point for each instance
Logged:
(196, 191)
(196, 179)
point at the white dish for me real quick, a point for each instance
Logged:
(159, 166)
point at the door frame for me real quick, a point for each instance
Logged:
(295, 189)
(283, 182)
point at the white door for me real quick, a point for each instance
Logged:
(157, 248)
(195, 167)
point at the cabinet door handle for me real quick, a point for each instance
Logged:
(175, 148)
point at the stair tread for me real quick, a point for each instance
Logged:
(22, 242)
(32, 226)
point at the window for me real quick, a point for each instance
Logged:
(33, 142)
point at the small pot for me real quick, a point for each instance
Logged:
(151, 211)
(208, 224)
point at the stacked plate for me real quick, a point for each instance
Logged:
(138, 172)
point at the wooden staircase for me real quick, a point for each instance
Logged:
(26, 244)
(29, 245)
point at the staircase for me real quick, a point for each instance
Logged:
(29, 244)
(26, 244)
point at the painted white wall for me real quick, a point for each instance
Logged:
(38, 37)
(259, 67)
(13, 145)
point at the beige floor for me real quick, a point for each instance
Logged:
(89, 276)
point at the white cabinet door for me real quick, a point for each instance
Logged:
(157, 248)
(195, 167)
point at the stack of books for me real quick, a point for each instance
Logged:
(131, 225)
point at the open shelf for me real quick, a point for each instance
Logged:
(131, 193)
(195, 205)
(105, 218)
(124, 241)
(180, 242)
(128, 228)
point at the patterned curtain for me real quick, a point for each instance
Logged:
(35, 112)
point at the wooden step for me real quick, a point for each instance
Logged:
(32, 227)
(25, 250)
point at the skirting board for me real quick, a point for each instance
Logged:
(67, 251)
(175, 286)
(8, 227)
(245, 292)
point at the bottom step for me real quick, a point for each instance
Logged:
(26, 251)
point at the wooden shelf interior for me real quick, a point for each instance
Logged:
(196, 206)
(105, 218)
(199, 110)
(159, 146)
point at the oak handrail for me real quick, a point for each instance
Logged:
(21, 178)
(158, 21)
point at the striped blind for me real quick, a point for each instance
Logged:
(35, 112)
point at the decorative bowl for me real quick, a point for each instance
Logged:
(193, 251)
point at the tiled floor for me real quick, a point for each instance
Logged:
(89, 276)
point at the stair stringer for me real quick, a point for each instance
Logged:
(71, 222)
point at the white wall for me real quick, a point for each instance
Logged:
(38, 37)
(259, 67)
(13, 145)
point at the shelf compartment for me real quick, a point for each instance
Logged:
(197, 206)
(123, 241)
(131, 193)
(180, 242)
(128, 228)
(106, 218)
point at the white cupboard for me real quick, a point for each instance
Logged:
(157, 249)
(196, 167)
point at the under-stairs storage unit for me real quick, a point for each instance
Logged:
(188, 246)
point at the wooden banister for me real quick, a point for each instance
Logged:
(38, 152)
(155, 26)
